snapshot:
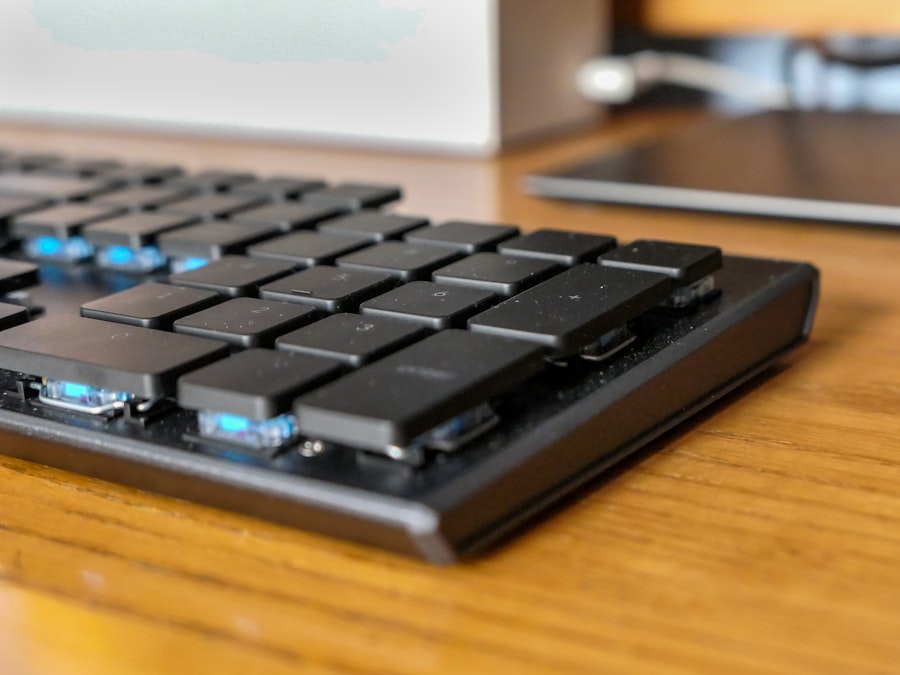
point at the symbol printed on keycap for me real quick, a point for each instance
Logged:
(365, 327)
(120, 336)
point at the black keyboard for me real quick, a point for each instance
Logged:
(292, 350)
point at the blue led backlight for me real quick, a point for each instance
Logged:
(124, 259)
(82, 397)
(46, 247)
(267, 433)
(187, 264)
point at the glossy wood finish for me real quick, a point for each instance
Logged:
(763, 536)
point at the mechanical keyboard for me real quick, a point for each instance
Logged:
(295, 351)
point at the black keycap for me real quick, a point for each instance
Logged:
(233, 276)
(213, 181)
(30, 161)
(130, 359)
(437, 306)
(328, 288)
(501, 274)
(142, 174)
(81, 168)
(246, 322)
(149, 305)
(15, 275)
(256, 383)
(404, 261)
(394, 400)
(351, 339)
(685, 263)
(54, 188)
(143, 197)
(61, 221)
(575, 308)
(565, 248)
(14, 206)
(308, 249)
(12, 315)
(214, 239)
(280, 187)
(287, 216)
(210, 206)
(373, 225)
(463, 235)
(354, 196)
(134, 230)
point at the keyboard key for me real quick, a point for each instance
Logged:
(307, 249)
(501, 274)
(329, 288)
(279, 187)
(246, 322)
(351, 339)
(143, 197)
(404, 261)
(437, 306)
(574, 309)
(61, 221)
(142, 174)
(373, 225)
(134, 230)
(81, 168)
(14, 206)
(12, 315)
(257, 383)
(287, 216)
(233, 276)
(54, 188)
(150, 305)
(212, 240)
(684, 263)
(353, 196)
(389, 403)
(16, 275)
(213, 180)
(210, 206)
(139, 361)
(565, 248)
(463, 236)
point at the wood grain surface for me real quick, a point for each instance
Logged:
(761, 537)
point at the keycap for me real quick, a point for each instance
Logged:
(279, 187)
(150, 305)
(351, 339)
(574, 309)
(256, 383)
(437, 306)
(404, 261)
(246, 322)
(54, 188)
(565, 248)
(287, 216)
(501, 274)
(354, 196)
(12, 315)
(14, 206)
(15, 275)
(134, 230)
(144, 197)
(233, 276)
(139, 361)
(373, 225)
(212, 240)
(82, 168)
(463, 235)
(210, 206)
(392, 401)
(142, 173)
(685, 263)
(213, 180)
(307, 249)
(328, 288)
(61, 221)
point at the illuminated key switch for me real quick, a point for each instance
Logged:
(129, 243)
(56, 233)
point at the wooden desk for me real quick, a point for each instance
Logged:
(763, 537)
